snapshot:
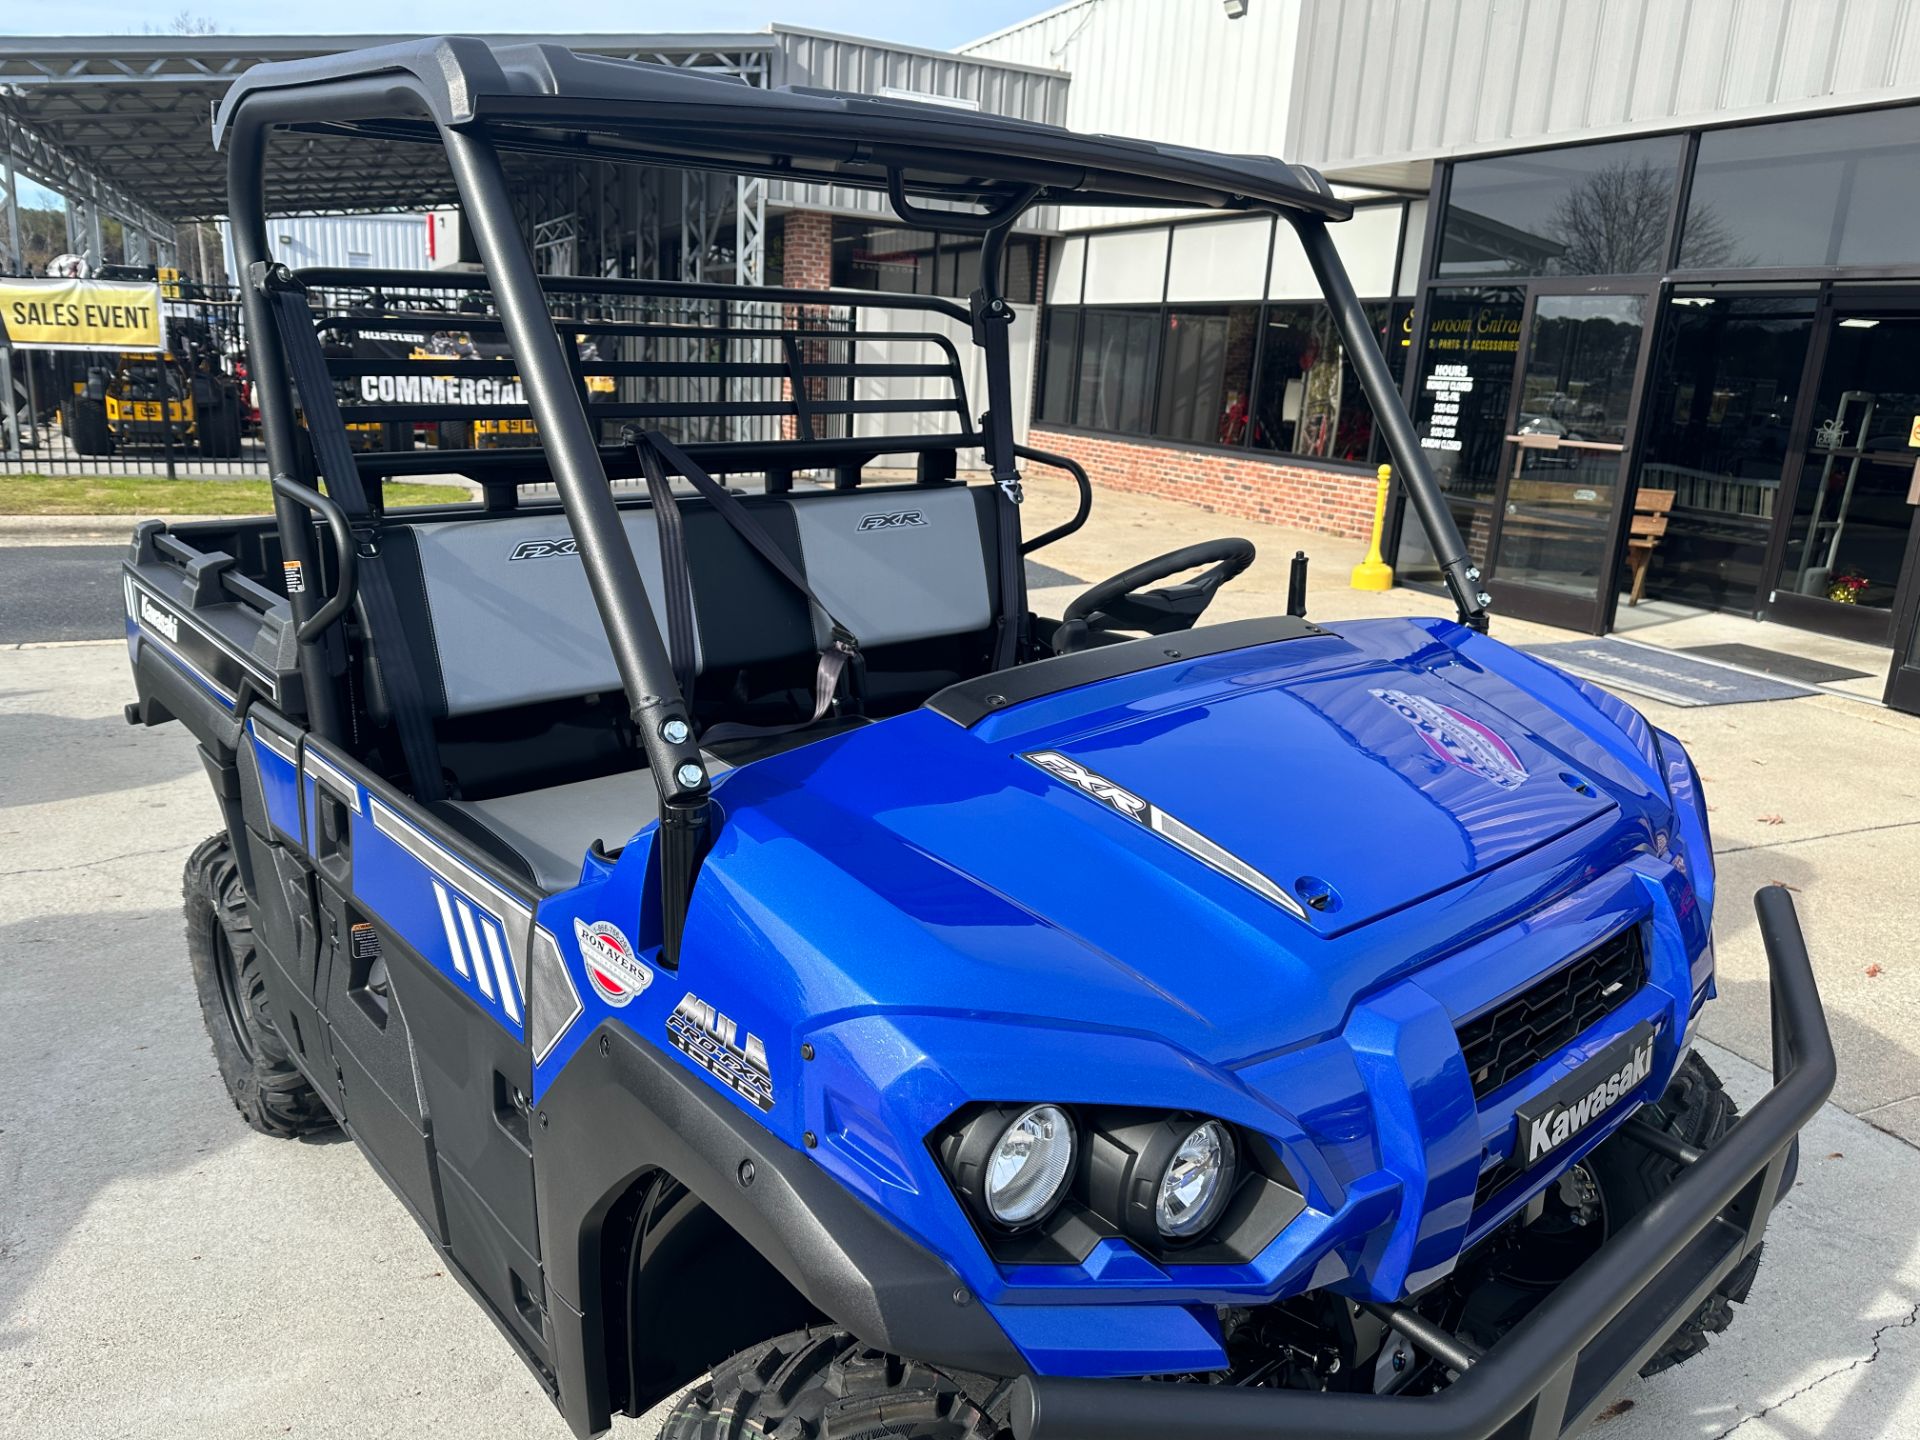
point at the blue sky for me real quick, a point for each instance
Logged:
(937, 23)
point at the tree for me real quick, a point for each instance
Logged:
(184, 23)
(1614, 222)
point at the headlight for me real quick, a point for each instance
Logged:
(1046, 1183)
(1012, 1163)
(1196, 1183)
(1030, 1165)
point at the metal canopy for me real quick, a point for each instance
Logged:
(129, 119)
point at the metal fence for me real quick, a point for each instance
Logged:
(185, 413)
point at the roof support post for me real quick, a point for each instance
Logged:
(246, 202)
(613, 574)
(1416, 476)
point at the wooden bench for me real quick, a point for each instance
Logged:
(1650, 508)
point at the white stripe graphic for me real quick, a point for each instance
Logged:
(473, 944)
(453, 935)
(500, 970)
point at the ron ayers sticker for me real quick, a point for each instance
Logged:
(616, 973)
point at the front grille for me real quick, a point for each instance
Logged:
(1503, 1043)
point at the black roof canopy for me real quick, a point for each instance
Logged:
(544, 97)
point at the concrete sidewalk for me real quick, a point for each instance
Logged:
(164, 1272)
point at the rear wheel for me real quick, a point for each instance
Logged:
(266, 1087)
(822, 1384)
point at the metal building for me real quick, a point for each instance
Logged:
(1654, 293)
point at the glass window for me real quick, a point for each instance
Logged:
(1117, 361)
(883, 257)
(1590, 210)
(1057, 346)
(1718, 415)
(917, 262)
(1127, 267)
(1205, 372)
(1851, 517)
(1837, 190)
(1308, 399)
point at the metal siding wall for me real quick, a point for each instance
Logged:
(390, 242)
(1384, 81)
(836, 62)
(1170, 70)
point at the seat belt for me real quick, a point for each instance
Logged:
(840, 659)
(682, 647)
(992, 320)
(334, 452)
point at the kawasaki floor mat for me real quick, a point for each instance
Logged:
(1776, 663)
(1663, 674)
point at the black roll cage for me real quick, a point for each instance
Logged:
(474, 99)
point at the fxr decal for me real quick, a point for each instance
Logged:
(1174, 831)
(892, 521)
(614, 971)
(545, 549)
(711, 1041)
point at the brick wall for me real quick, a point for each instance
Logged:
(1333, 502)
(806, 263)
(806, 257)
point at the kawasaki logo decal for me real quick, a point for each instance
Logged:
(1585, 1096)
(167, 625)
(1177, 832)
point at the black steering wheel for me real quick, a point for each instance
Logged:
(1123, 603)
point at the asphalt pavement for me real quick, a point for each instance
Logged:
(60, 592)
(167, 1273)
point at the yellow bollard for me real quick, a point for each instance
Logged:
(1373, 573)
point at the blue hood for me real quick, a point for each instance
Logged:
(940, 868)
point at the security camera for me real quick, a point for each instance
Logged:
(1236, 9)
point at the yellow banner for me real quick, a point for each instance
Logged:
(80, 315)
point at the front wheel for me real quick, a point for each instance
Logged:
(1697, 1109)
(265, 1085)
(822, 1384)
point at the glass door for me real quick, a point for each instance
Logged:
(1557, 513)
(1843, 548)
(1461, 403)
(1903, 685)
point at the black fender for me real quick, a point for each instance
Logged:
(621, 1109)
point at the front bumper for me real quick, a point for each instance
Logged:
(1567, 1359)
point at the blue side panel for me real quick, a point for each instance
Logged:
(439, 913)
(280, 782)
(1120, 1340)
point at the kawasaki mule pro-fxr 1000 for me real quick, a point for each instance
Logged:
(757, 947)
